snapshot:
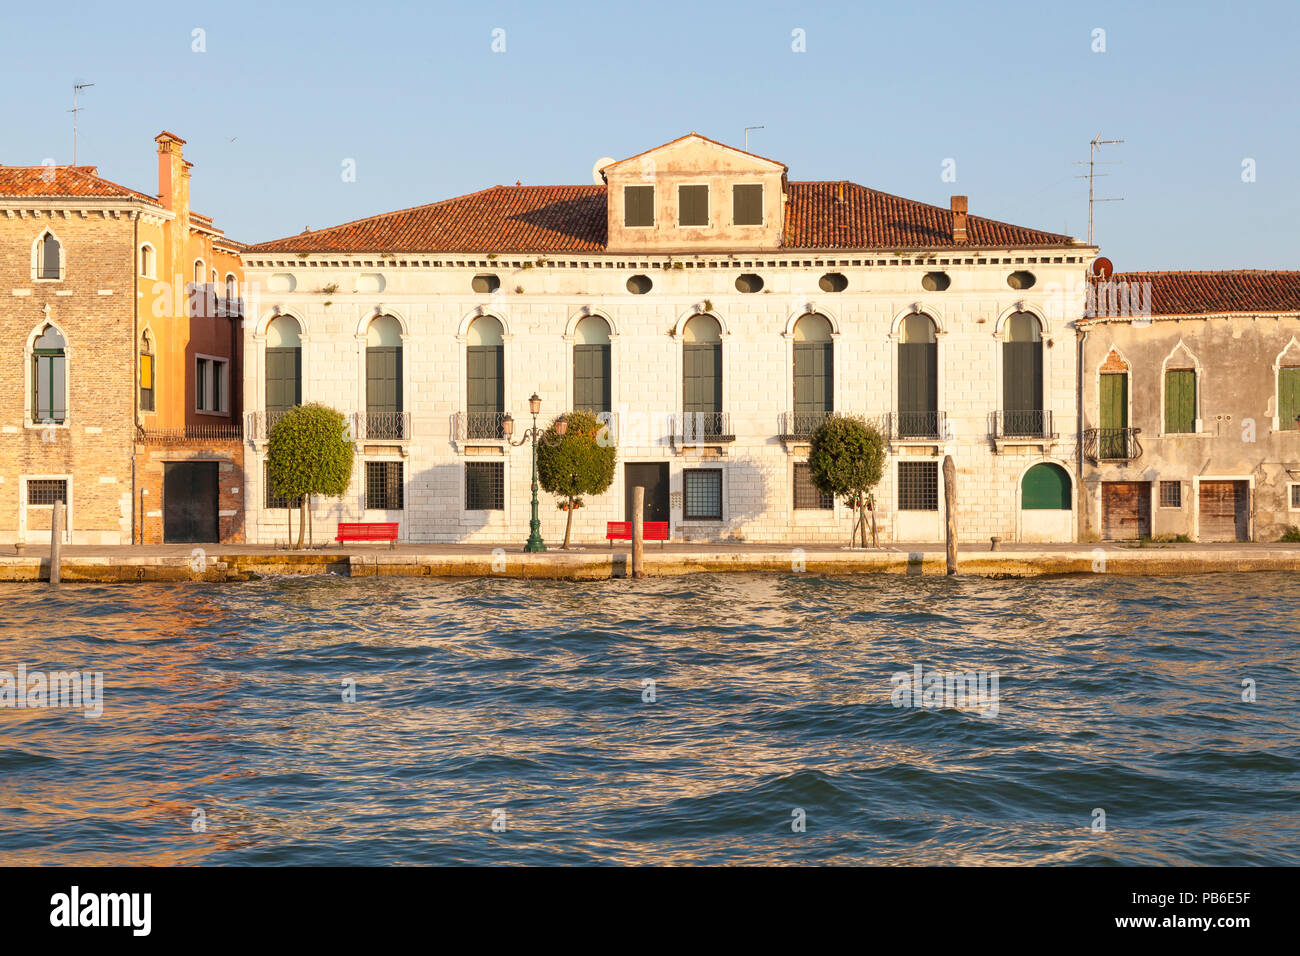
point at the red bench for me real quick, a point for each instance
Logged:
(622, 531)
(368, 531)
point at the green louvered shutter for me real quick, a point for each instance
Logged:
(1114, 414)
(1288, 398)
(702, 377)
(383, 380)
(918, 388)
(814, 378)
(591, 388)
(283, 379)
(1180, 401)
(486, 381)
(1022, 384)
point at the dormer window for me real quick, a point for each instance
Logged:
(747, 204)
(692, 205)
(638, 205)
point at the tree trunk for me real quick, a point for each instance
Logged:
(302, 521)
(862, 517)
(568, 527)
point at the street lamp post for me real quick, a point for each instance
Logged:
(535, 543)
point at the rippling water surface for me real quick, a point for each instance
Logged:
(772, 694)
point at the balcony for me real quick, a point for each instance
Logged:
(381, 426)
(479, 426)
(799, 426)
(1111, 444)
(190, 434)
(1023, 427)
(701, 428)
(917, 426)
(259, 424)
(207, 302)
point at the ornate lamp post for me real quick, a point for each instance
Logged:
(535, 543)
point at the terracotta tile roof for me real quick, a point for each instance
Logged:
(1215, 293)
(572, 219)
(68, 182)
(499, 219)
(844, 215)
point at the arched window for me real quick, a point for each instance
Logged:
(49, 257)
(283, 366)
(148, 373)
(147, 260)
(918, 378)
(232, 287)
(198, 272)
(1112, 410)
(814, 373)
(591, 365)
(49, 378)
(702, 378)
(1022, 377)
(384, 378)
(485, 370)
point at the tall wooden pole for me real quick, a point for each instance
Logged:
(56, 541)
(950, 503)
(638, 531)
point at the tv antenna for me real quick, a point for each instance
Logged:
(1093, 148)
(747, 129)
(76, 88)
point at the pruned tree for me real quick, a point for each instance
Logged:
(846, 458)
(575, 465)
(309, 452)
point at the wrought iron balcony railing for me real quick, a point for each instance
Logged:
(693, 427)
(1026, 423)
(259, 424)
(799, 426)
(189, 434)
(381, 426)
(1111, 444)
(932, 426)
(479, 426)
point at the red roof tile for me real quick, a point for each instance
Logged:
(67, 182)
(1216, 293)
(572, 219)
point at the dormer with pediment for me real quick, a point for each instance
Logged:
(694, 195)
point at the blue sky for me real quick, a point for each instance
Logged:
(286, 92)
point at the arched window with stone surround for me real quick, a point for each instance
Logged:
(283, 367)
(485, 365)
(1022, 377)
(384, 378)
(49, 377)
(814, 372)
(702, 377)
(918, 378)
(148, 372)
(591, 366)
(49, 257)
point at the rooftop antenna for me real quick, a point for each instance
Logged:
(76, 88)
(747, 129)
(1092, 164)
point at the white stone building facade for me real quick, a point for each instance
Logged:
(531, 273)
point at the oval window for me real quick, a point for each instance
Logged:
(749, 282)
(935, 281)
(639, 284)
(1021, 280)
(487, 282)
(833, 282)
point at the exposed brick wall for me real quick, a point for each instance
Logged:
(93, 306)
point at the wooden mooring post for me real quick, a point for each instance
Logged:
(56, 541)
(638, 531)
(950, 509)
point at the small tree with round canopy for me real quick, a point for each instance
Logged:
(576, 463)
(309, 452)
(846, 458)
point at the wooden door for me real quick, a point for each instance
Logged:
(1125, 509)
(1224, 511)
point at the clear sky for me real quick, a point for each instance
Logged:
(285, 93)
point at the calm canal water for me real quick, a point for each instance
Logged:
(772, 695)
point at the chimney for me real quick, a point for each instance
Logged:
(171, 166)
(958, 207)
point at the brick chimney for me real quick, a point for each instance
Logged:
(958, 206)
(173, 173)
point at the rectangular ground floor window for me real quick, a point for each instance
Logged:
(273, 500)
(485, 486)
(1295, 497)
(384, 485)
(46, 491)
(806, 495)
(918, 486)
(702, 499)
(1171, 494)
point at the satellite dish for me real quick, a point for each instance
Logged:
(1102, 267)
(595, 170)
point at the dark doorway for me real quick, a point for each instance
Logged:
(190, 501)
(654, 477)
